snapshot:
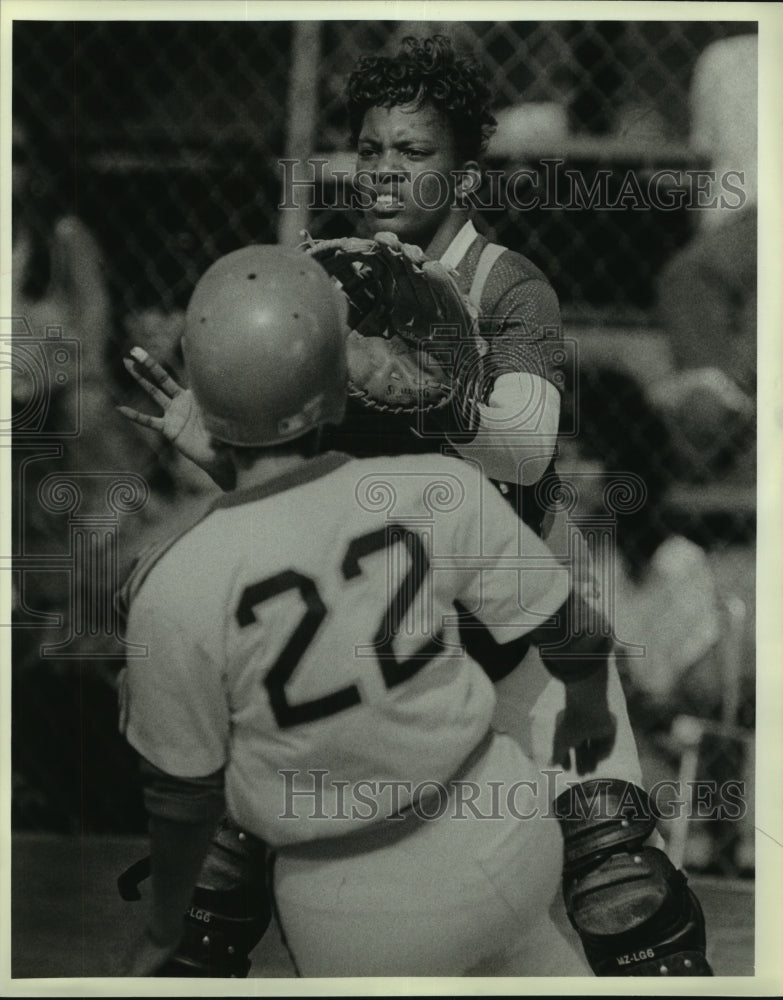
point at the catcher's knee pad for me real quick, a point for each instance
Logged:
(632, 909)
(229, 912)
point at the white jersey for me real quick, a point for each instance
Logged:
(303, 636)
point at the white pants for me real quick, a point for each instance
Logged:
(460, 895)
(529, 699)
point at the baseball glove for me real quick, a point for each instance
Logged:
(413, 345)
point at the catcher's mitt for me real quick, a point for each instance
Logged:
(413, 345)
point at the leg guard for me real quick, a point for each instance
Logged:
(230, 910)
(632, 909)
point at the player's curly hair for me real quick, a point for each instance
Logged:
(424, 71)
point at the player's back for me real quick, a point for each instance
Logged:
(315, 633)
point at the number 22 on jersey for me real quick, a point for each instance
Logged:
(394, 671)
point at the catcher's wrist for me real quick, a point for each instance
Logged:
(588, 693)
(574, 669)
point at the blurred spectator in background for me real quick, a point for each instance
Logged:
(57, 272)
(64, 423)
(707, 291)
(59, 288)
(679, 650)
(61, 297)
(707, 303)
(692, 609)
(61, 314)
(665, 592)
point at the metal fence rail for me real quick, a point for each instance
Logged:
(175, 138)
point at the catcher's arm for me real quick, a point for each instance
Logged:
(518, 425)
(180, 422)
(575, 648)
(517, 429)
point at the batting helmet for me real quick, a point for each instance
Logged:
(264, 347)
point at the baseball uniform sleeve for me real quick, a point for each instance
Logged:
(518, 421)
(523, 326)
(517, 429)
(174, 709)
(515, 583)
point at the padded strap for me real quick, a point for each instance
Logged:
(489, 255)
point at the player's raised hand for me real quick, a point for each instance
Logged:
(180, 422)
(585, 726)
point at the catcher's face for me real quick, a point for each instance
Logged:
(408, 164)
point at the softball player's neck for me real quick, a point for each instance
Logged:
(267, 467)
(446, 232)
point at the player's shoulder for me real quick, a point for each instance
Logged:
(429, 483)
(512, 265)
(500, 279)
(516, 282)
(428, 464)
(516, 265)
(159, 569)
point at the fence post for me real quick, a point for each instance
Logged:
(302, 123)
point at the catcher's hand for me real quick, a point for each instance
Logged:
(413, 344)
(585, 726)
(180, 422)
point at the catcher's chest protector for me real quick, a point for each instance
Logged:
(486, 262)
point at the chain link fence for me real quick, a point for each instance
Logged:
(164, 139)
(176, 137)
